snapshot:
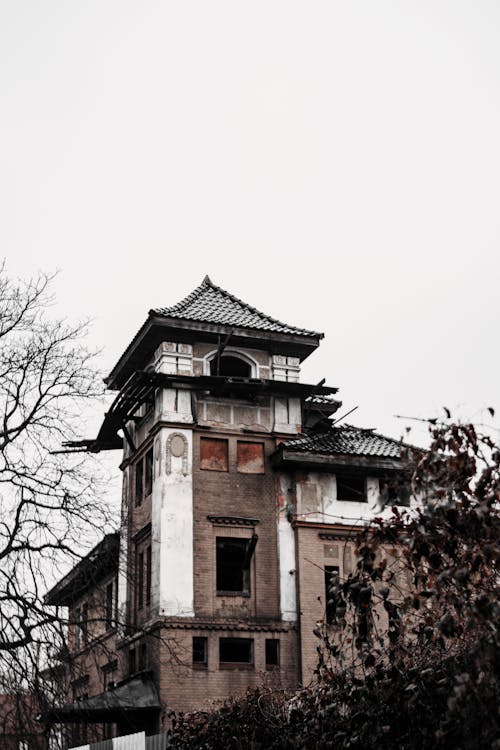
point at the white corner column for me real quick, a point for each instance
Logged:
(286, 551)
(172, 523)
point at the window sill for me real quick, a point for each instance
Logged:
(200, 667)
(241, 594)
(236, 665)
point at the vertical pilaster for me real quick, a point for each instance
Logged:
(172, 523)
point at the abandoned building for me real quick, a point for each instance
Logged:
(240, 496)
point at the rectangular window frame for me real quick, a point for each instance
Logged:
(139, 580)
(272, 659)
(247, 547)
(143, 476)
(234, 664)
(343, 479)
(109, 604)
(200, 648)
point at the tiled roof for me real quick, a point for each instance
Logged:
(349, 440)
(209, 303)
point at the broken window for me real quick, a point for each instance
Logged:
(230, 366)
(144, 477)
(236, 651)
(250, 457)
(272, 653)
(331, 582)
(233, 564)
(351, 487)
(213, 454)
(200, 651)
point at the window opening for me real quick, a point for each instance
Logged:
(351, 487)
(138, 482)
(230, 366)
(109, 605)
(272, 653)
(200, 650)
(140, 580)
(144, 477)
(236, 650)
(233, 558)
(78, 627)
(148, 482)
(143, 657)
(84, 622)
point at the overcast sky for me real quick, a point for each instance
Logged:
(335, 164)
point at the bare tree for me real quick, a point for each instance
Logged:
(49, 502)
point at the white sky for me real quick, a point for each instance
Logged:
(335, 164)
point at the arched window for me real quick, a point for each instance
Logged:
(231, 366)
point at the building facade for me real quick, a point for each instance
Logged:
(240, 499)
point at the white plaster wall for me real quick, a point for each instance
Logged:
(327, 509)
(287, 415)
(173, 405)
(286, 556)
(172, 527)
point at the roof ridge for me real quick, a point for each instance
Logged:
(208, 284)
(239, 301)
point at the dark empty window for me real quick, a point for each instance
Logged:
(84, 623)
(148, 478)
(351, 487)
(200, 650)
(331, 581)
(272, 653)
(140, 579)
(236, 650)
(233, 564)
(109, 605)
(143, 656)
(213, 454)
(250, 457)
(144, 477)
(229, 366)
(78, 627)
(139, 479)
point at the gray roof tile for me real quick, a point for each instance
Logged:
(209, 303)
(348, 440)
